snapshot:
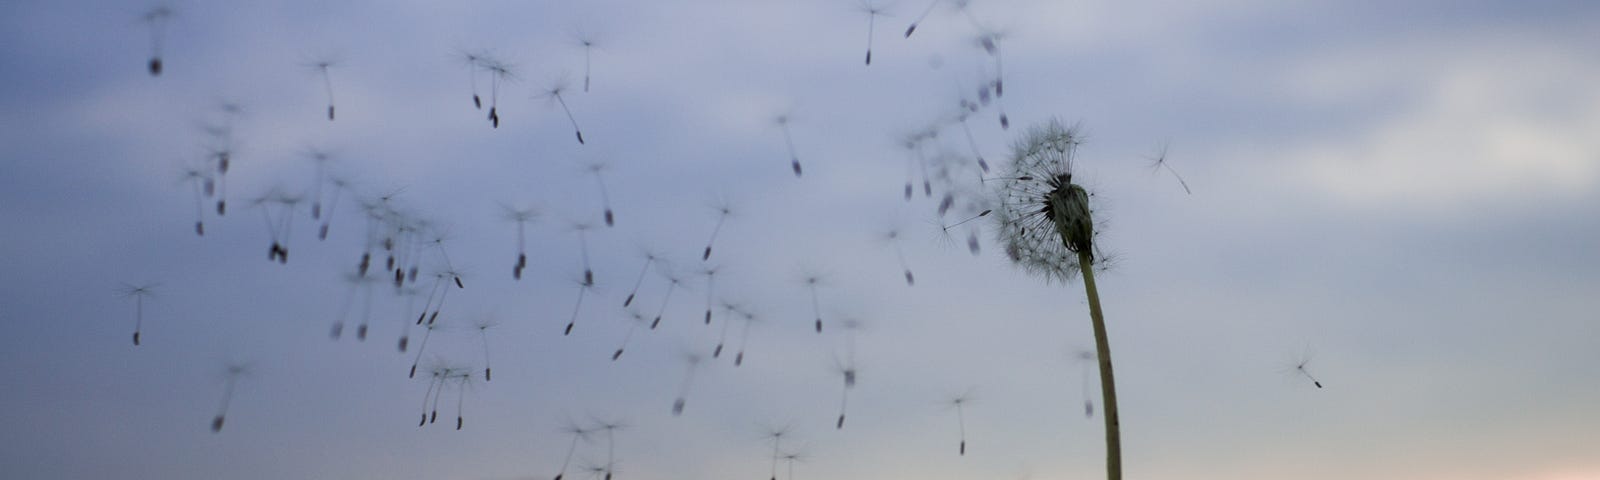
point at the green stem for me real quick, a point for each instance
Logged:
(1108, 387)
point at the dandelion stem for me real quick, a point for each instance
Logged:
(1108, 387)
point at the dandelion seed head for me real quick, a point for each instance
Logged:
(1043, 218)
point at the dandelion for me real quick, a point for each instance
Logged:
(157, 18)
(650, 258)
(692, 363)
(483, 324)
(434, 382)
(711, 288)
(873, 11)
(788, 140)
(583, 250)
(474, 61)
(971, 142)
(224, 157)
(321, 66)
(913, 28)
(724, 210)
(1159, 161)
(1047, 227)
(554, 93)
(892, 237)
(411, 294)
(812, 280)
(357, 282)
(790, 459)
(744, 336)
(578, 434)
(499, 72)
(610, 427)
(427, 332)
(847, 369)
(587, 41)
(321, 159)
(1297, 367)
(972, 234)
(732, 311)
(674, 282)
(279, 228)
(583, 288)
(635, 319)
(339, 186)
(198, 178)
(230, 377)
(776, 434)
(1085, 358)
(521, 217)
(139, 293)
(463, 380)
(959, 402)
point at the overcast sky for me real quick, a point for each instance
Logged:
(1404, 194)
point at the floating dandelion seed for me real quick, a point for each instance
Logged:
(224, 159)
(962, 119)
(711, 288)
(776, 434)
(483, 324)
(554, 93)
(587, 41)
(1085, 358)
(280, 228)
(846, 368)
(731, 310)
(439, 279)
(788, 140)
(724, 210)
(464, 381)
(635, 319)
(610, 427)
(443, 374)
(139, 293)
(812, 281)
(1159, 161)
(411, 294)
(578, 434)
(1297, 367)
(892, 237)
(959, 402)
(157, 18)
(692, 363)
(673, 284)
(364, 284)
(321, 159)
(434, 382)
(499, 73)
(583, 287)
(321, 66)
(650, 258)
(474, 61)
(339, 186)
(744, 336)
(583, 249)
(1047, 227)
(427, 332)
(913, 28)
(597, 170)
(198, 178)
(972, 234)
(790, 459)
(873, 11)
(231, 375)
(521, 217)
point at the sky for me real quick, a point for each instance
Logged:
(1401, 195)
